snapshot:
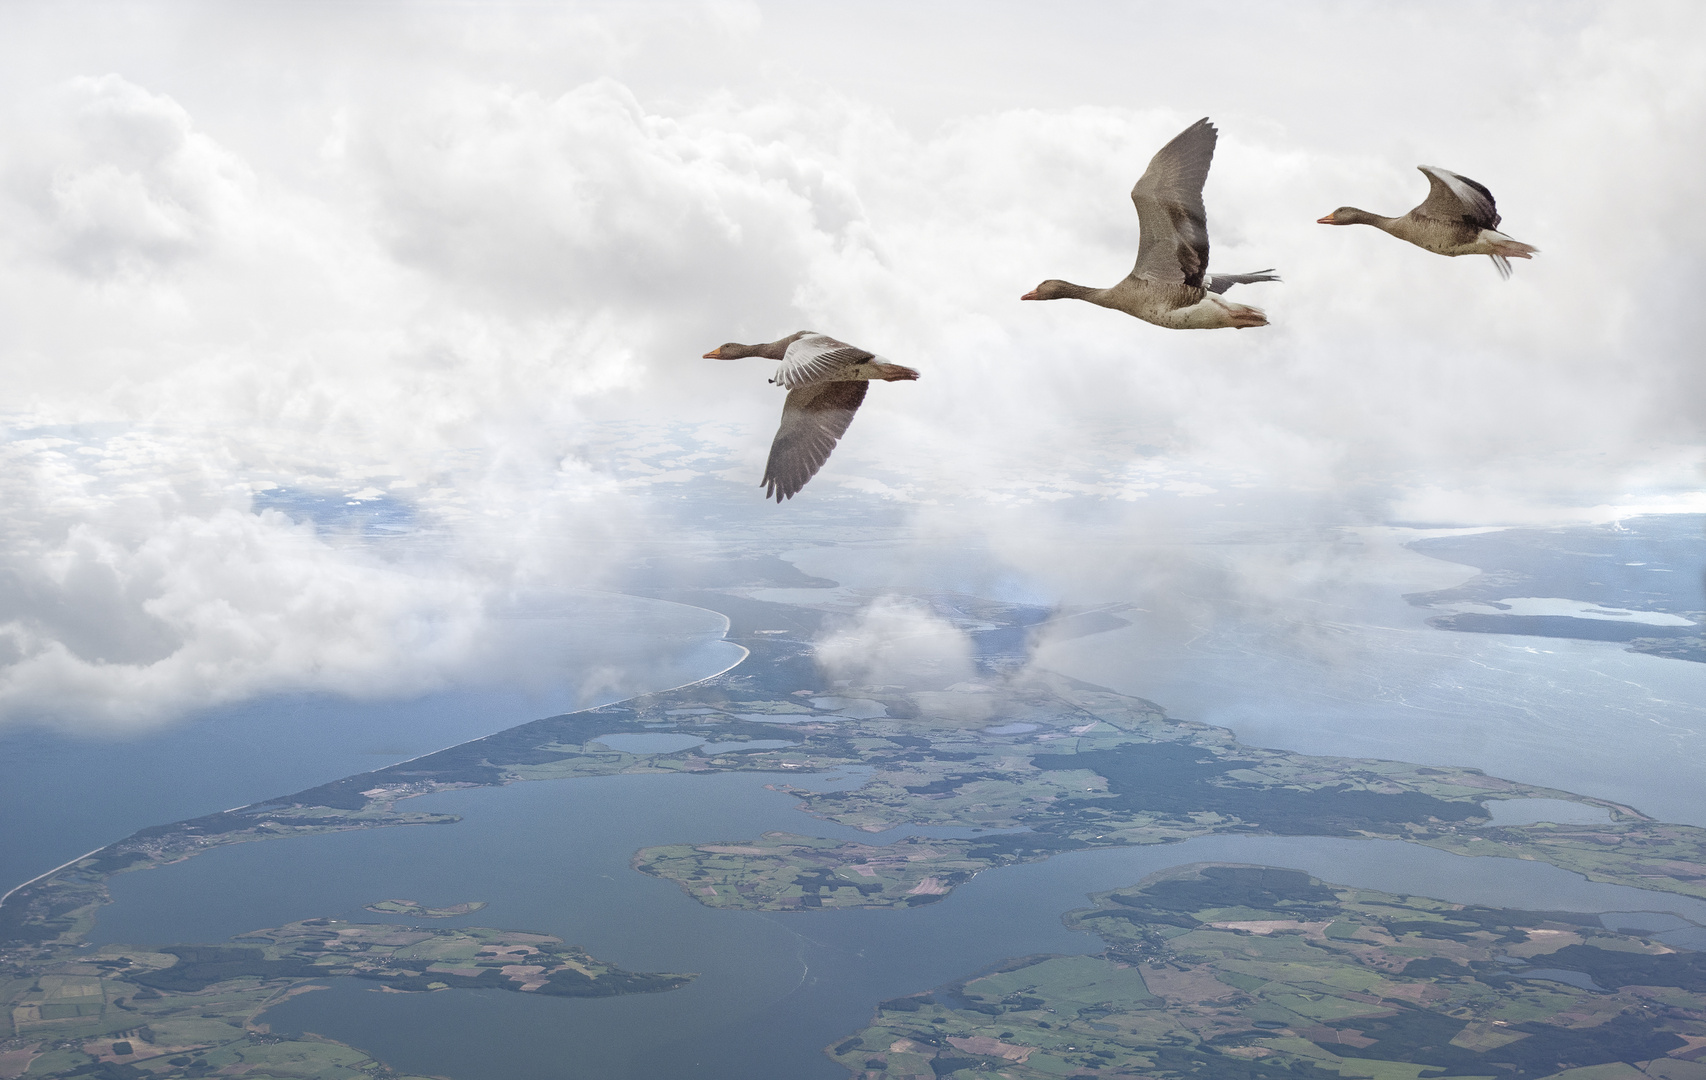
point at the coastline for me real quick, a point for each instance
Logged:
(1043, 763)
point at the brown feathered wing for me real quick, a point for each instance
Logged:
(1172, 245)
(813, 420)
(1457, 199)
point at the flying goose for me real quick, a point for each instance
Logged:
(1170, 285)
(1458, 218)
(826, 382)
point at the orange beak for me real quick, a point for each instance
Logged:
(1032, 295)
(1328, 220)
(714, 354)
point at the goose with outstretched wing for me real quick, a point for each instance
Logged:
(1458, 217)
(826, 382)
(1170, 285)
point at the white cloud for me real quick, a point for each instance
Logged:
(135, 186)
(438, 255)
(123, 603)
(896, 641)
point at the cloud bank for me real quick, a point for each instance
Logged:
(460, 264)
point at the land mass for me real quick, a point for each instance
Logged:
(1097, 769)
(1253, 973)
(195, 1010)
(1589, 563)
(1040, 762)
(418, 910)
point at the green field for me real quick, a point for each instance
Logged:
(780, 871)
(162, 1010)
(1250, 972)
(417, 910)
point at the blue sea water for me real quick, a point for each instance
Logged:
(1302, 660)
(1586, 717)
(774, 988)
(63, 793)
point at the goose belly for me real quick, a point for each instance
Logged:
(1209, 313)
(1439, 237)
(1161, 304)
(1487, 243)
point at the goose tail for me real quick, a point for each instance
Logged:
(1244, 316)
(1502, 249)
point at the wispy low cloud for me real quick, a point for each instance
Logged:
(896, 640)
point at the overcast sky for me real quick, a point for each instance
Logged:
(462, 259)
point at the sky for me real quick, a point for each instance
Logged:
(280, 281)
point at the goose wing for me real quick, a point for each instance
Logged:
(817, 358)
(1172, 246)
(1457, 199)
(813, 420)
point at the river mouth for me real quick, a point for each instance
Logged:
(773, 988)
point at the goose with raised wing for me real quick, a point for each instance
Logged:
(1170, 285)
(826, 382)
(1458, 217)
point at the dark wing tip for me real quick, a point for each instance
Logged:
(1487, 216)
(1476, 184)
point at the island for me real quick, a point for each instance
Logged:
(417, 910)
(1654, 604)
(1255, 973)
(1092, 768)
(128, 1011)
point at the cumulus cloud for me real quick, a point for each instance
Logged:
(896, 641)
(126, 185)
(123, 603)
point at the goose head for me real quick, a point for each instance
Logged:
(1055, 289)
(734, 350)
(1347, 215)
